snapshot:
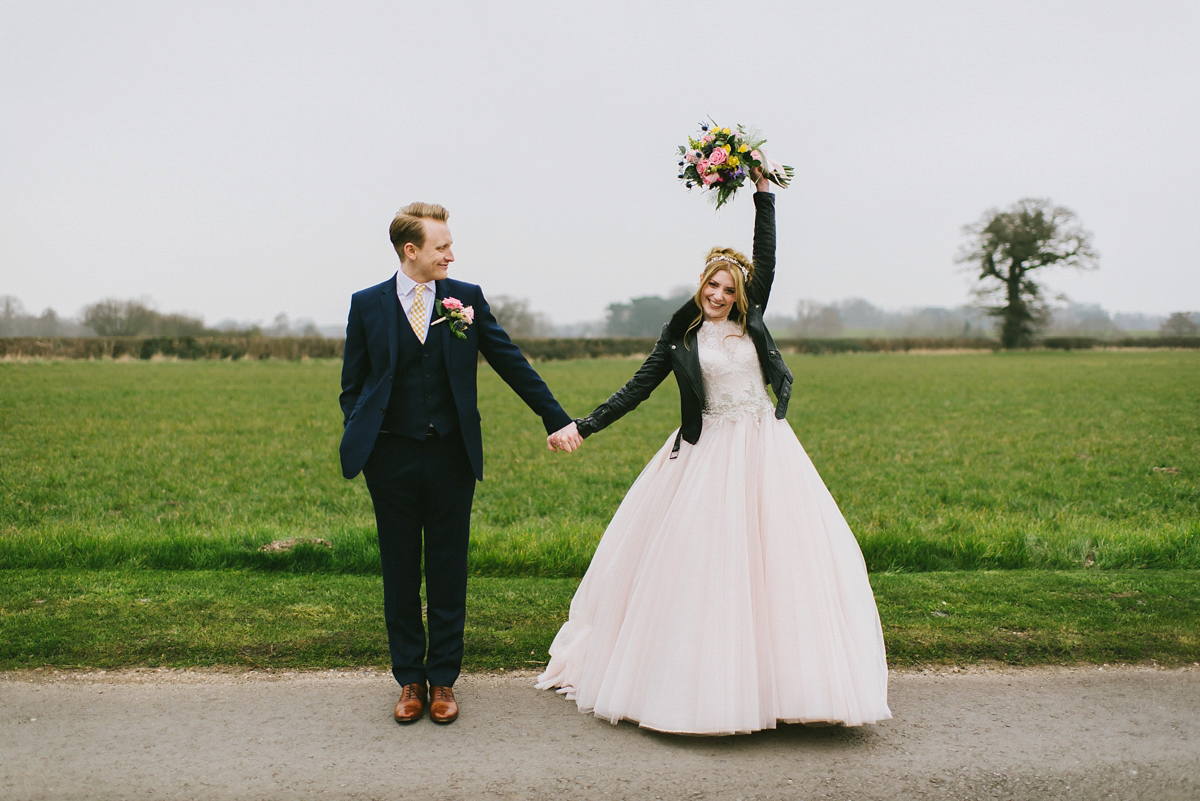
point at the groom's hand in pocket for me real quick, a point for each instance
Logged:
(565, 439)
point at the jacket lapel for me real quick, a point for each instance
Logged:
(389, 304)
(439, 292)
(689, 360)
(684, 345)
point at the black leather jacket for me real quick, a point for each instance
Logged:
(676, 351)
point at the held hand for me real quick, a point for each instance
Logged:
(566, 439)
(761, 183)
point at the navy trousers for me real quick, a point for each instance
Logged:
(422, 492)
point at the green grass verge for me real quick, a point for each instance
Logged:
(126, 618)
(121, 618)
(939, 462)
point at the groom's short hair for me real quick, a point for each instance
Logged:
(407, 226)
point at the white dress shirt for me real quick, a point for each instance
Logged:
(406, 290)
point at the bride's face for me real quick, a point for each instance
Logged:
(718, 295)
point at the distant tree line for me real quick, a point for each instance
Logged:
(15, 322)
(1008, 248)
(855, 317)
(112, 317)
(640, 317)
(858, 317)
(644, 316)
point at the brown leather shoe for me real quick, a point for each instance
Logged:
(411, 705)
(442, 708)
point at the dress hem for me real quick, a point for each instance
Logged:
(568, 693)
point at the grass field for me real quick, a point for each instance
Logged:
(1008, 505)
(939, 462)
(184, 618)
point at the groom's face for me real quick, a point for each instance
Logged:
(430, 262)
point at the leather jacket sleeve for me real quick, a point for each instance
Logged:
(652, 372)
(759, 289)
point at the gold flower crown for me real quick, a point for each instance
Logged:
(738, 264)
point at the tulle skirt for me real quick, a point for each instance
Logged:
(727, 594)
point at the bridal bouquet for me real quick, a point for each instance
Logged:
(719, 159)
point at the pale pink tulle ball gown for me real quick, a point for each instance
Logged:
(728, 594)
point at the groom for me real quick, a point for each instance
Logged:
(412, 428)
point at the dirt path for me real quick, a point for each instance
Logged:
(1083, 733)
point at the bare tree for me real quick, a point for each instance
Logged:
(280, 327)
(48, 324)
(177, 325)
(131, 318)
(515, 317)
(1008, 246)
(118, 318)
(11, 312)
(1179, 324)
(817, 320)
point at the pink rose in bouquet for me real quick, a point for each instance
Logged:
(718, 156)
(451, 304)
(711, 178)
(468, 314)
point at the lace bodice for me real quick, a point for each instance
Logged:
(733, 380)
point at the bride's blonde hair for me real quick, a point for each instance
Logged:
(740, 269)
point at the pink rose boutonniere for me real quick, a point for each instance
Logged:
(452, 311)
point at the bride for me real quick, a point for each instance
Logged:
(728, 594)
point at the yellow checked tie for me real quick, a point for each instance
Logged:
(416, 316)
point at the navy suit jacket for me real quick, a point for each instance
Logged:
(369, 366)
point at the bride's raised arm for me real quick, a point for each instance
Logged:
(758, 291)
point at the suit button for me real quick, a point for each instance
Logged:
(383, 408)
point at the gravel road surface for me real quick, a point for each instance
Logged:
(977, 733)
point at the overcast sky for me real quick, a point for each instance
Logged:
(236, 160)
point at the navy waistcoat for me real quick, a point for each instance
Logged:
(421, 394)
